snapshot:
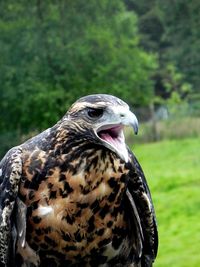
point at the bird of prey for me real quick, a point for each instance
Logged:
(76, 196)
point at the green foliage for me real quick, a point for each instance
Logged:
(174, 89)
(51, 53)
(171, 29)
(172, 169)
(182, 36)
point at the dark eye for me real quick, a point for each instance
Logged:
(94, 113)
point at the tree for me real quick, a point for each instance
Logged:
(170, 29)
(51, 53)
(182, 34)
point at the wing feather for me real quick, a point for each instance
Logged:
(139, 197)
(136, 233)
(11, 169)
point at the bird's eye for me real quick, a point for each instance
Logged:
(94, 113)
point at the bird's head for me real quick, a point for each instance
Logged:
(103, 118)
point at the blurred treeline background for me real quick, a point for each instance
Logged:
(53, 52)
(147, 52)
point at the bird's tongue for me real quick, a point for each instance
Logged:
(115, 137)
(116, 142)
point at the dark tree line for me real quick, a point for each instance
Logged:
(171, 30)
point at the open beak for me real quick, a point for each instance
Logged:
(112, 133)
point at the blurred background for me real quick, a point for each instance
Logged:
(145, 52)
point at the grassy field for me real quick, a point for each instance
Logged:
(172, 169)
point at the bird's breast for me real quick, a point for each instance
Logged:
(77, 211)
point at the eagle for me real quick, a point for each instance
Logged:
(76, 196)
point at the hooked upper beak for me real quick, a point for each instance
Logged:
(129, 118)
(126, 117)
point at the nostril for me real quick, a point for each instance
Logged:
(122, 115)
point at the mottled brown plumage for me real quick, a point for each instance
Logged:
(76, 196)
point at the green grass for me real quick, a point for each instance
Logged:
(172, 169)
